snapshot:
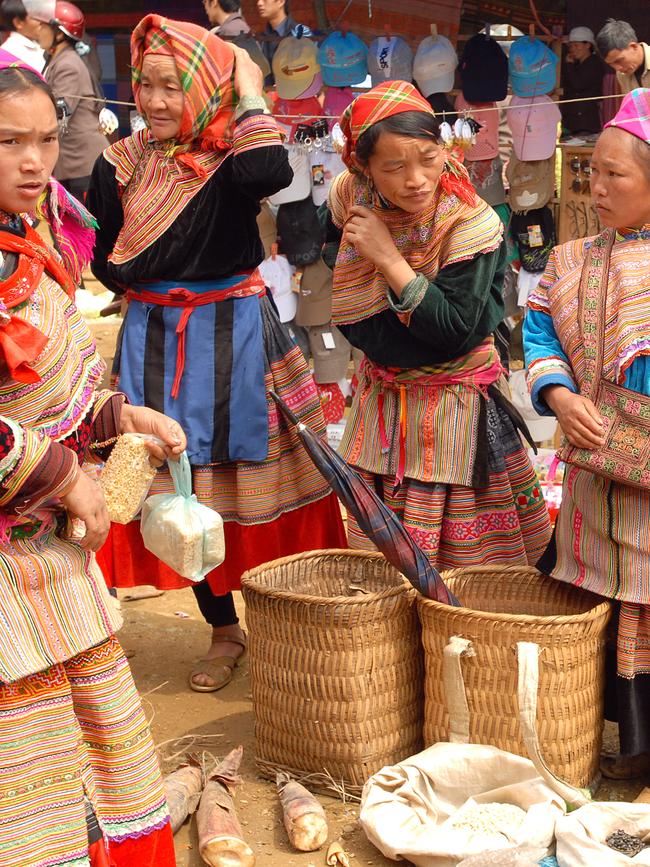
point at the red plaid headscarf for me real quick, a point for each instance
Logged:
(205, 67)
(385, 100)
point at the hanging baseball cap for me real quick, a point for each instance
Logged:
(487, 179)
(390, 59)
(535, 236)
(295, 65)
(343, 58)
(486, 146)
(315, 297)
(434, 66)
(582, 34)
(484, 70)
(532, 183)
(533, 67)
(534, 126)
(300, 234)
(277, 273)
(502, 30)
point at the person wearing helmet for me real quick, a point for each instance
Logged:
(23, 31)
(72, 81)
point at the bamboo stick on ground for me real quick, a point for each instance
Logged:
(221, 840)
(183, 791)
(304, 817)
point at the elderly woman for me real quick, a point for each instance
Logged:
(417, 287)
(177, 206)
(587, 340)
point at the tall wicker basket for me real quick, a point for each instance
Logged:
(336, 666)
(569, 627)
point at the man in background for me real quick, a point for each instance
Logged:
(22, 41)
(227, 21)
(630, 59)
(279, 24)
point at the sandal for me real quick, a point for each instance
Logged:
(618, 767)
(220, 669)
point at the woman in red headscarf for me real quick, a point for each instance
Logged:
(177, 206)
(79, 778)
(418, 270)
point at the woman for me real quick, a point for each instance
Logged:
(177, 207)
(72, 81)
(417, 287)
(582, 78)
(602, 536)
(73, 738)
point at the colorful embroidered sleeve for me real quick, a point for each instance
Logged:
(546, 361)
(261, 164)
(32, 468)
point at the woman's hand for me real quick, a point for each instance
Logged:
(579, 419)
(249, 80)
(370, 237)
(85, 500)
(142, 420)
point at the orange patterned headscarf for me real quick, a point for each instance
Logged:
(205, 67)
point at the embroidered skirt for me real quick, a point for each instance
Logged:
(78, 728)
(271, 508)
(503, 521)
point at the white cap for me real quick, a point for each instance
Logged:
(42, 10)
(582, 34)
(434, 65)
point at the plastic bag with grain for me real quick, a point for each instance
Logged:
(180, 531)
(127, 477)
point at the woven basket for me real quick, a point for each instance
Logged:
(568, 625)
(336, 666)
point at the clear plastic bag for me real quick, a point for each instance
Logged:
(127, 477)
(180, 531)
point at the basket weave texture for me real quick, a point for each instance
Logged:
(570, 628)
(336, 666)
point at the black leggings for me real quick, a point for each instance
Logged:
(217, 610)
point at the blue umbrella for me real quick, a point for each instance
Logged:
(377, 521)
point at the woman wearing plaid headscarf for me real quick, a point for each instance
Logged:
(418, 270)
(177, 206)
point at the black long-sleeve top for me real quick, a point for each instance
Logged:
(215, 235)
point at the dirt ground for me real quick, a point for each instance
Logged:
(165, 635)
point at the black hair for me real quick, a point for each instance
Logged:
(642, 153)
(414, 124)
(230, 6)
(10, 9)
(18, 80)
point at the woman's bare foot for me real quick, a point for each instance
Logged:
(215, 670)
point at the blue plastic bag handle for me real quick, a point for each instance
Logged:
(181, 475)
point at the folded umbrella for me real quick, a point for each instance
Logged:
(377, 521)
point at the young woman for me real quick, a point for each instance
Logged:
(602, 535)
(177, 206)
(418, 273)
(73, 737)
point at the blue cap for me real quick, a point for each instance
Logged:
(533, 67)
(343, 60)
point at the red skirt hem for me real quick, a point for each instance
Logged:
(125, 561)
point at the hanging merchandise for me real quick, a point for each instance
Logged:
(277, 274)
(292, 113)
(534, 124)
(337, 99)
(502, 30)
(486, 145)
(484, 70)
(535, 236)
(533, 67)
(315, 297)
(267, 228)
(390, 59)
(331, 353)
(296, 69)
(300, 186)
(487, 179)
(532, 183)
(434, 66)
(325, 166)
(300, 234)
(343, 58)
(440, 103)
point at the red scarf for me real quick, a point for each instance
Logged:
(20, 342)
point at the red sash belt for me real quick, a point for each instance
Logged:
(252, 284)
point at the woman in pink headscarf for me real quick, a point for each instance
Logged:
(587, 344)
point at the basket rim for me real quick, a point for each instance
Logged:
(594, 613)
(248, 579)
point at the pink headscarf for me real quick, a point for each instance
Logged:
(634, 114)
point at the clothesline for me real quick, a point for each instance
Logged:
(471, 112)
